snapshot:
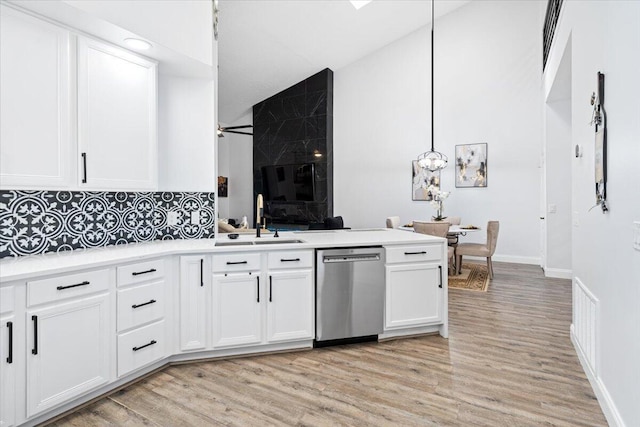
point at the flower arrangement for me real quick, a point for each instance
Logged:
(437, 201)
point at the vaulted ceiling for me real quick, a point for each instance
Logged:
(265, 46)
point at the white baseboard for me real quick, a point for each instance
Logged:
(604, 398)
(514, 259)
(558, 273)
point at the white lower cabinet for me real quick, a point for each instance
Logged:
(290, 313)
(236, 309)
(69, 351)
(414, 290)
(140, 347)
(194, 291)
(7, 371)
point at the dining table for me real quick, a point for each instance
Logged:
(454, 230)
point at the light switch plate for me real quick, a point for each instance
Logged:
(552, 208)
(195, 217)
(636, 235)
(172, 218)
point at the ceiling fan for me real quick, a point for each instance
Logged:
(232, 129)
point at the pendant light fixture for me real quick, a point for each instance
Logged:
(432, 160)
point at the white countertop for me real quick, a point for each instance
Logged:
(53, 263)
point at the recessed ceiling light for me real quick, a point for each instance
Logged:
(359, 3)
(137, 44)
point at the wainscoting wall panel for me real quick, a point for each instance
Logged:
(585, 322)
(36, 222)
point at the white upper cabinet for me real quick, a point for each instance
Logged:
(117, 113)
(70, 118)
(36, 147)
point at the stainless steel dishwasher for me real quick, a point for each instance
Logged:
(349, 294)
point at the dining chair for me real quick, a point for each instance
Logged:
(393, 222)
(438, 229)
(453, 238)
(480, 249)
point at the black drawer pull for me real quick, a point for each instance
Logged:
(84, 168)
(137, 273)
(236, 262)
(440, 269)
(34, 350)
(289, 260)
(143, 304)
(85, 283)
(416, 253)
(258, 287)
(270, 288)
(10, 356)
(146, 345)
(201, 271)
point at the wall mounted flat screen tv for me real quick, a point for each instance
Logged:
(289, 183)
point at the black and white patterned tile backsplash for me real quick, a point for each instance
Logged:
(36, 222)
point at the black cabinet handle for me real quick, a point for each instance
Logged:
(270, 288)
(143, 304)
(137, 273)
(258, 287)
(289, 260)
(201, 271)
(85, 283)
(84, 168)
(415, 253)
(236, 262)
(10, 356)
(146, 345)
(34, 350)
(440, 269)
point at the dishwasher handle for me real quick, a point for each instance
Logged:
(327, 259)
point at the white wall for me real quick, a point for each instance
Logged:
(605, 36)
(186, 134)
(487, 90)
(185, 26)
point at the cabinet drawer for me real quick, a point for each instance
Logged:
(140, 347)
(415, 253)
(140, 272)
(226, 263)
(290, 259)
(7, 300)
(68, 286)
(140, 304)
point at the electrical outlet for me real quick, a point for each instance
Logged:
(576, 221)
(553, 208)
(195, 217)
(636, 235)
(172, 218)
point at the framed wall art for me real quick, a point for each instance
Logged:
(223, 186)
(471, 165)
(421, 179)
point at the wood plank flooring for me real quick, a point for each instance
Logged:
(508, 362)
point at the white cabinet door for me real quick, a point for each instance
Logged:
(193, 303)
(7, 371)
(237, 309)
(35, 122)
(413, 295)
(290, 302)
(69, 351)
(116, 118)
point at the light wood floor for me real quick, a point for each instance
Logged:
(508, 362)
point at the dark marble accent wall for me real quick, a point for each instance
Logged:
(288, 128)
(37, 222)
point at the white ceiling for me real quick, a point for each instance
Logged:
(265, 46)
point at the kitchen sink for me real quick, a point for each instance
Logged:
(273, 241)
(232, 243)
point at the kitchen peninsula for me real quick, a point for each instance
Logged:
(111, 315)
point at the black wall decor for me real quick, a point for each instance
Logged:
(295, 127)
(36, 222)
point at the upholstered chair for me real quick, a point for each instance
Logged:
(485, 250)
(438, 229)
(393, 222)
(453, 238)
